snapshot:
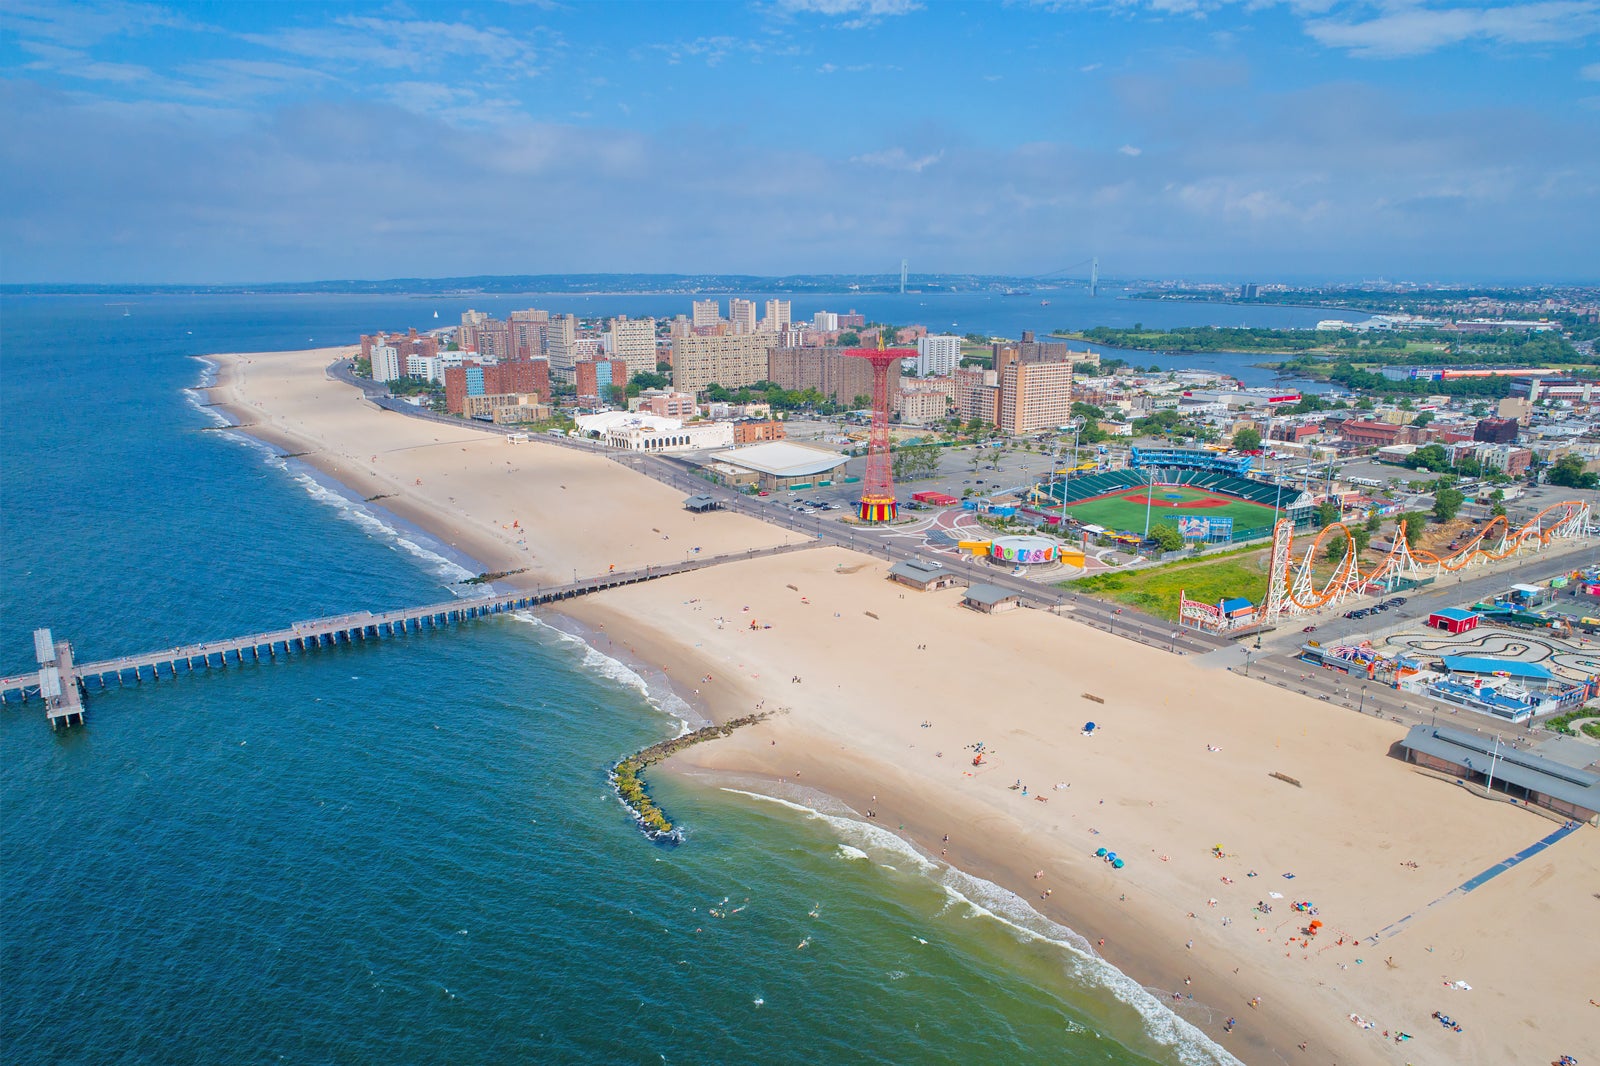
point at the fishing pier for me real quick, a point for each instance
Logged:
(64, 685)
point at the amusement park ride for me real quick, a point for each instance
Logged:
(1292, 589)
(878, 502)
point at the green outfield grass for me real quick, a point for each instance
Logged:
(1120, 511)
(1155, 591)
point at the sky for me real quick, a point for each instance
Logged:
(1337, 140)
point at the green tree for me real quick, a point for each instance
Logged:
(1422, 419)
(646, 379)
(1373, 522)
(1327, 513)
(1247, 439)
(861, 402)
(1568, 472)
(1336, 545)
(1429, 457)
(617, 395)
(849, 339)
(1447, 504)
(916, 461)
(1415, 523)
(1166, 536)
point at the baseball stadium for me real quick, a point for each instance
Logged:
(1205, 494)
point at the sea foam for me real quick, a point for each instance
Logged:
(658, 694)
(985, 899)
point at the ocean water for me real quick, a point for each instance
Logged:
(407, 851)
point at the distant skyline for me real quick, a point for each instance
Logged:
(1298, 140)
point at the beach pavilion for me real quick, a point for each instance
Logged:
(1535, 779)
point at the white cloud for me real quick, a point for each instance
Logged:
(1130, 150)
(898, 159)
(1590, 72)
(862, 13)
(1407, 30)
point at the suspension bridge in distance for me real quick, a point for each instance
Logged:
(64, 684)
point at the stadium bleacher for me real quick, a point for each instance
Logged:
(1191, 459)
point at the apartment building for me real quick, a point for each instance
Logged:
(938, 356)
(707, 313)
(839, 377)
(563, 346)
(1035, 396)
(730, 361)
(633, 340)
(777, 316)
(742, 313)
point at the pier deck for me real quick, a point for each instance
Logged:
(63, 684)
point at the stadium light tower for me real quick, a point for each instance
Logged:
(878, 502)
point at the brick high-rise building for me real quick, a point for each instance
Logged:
(530, 332)
(520, 376)
(1035, 396)
(977, 394)
(523, 376)
(731, 361)
(839, 377)
(596, 376)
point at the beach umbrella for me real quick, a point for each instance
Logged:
(1099, 853)
(1088, 727)
(1118, 864)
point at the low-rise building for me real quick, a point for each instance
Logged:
(991, 599)
(640, 432)
(757, 431)
(922, 575)
(506, 408)
(783, 465)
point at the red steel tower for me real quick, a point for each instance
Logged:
(877, 491)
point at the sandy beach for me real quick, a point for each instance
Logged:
(884, 692)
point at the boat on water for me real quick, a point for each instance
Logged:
(1044, 303)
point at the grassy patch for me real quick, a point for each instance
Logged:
(1562, 723)
(1155, 591)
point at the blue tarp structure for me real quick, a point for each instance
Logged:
(1088, 727)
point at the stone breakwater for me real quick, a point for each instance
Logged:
(628, 781)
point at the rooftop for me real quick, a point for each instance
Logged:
(990, 594)
(784, 459)
(1512, 765)
(1473, 664)
(1454, 614)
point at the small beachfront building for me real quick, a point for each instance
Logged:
(991, 599)
(700, 503)
(1453, 619)
(922, 575)
(1535, 779)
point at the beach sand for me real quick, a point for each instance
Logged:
(1180, 761)
(551, 512)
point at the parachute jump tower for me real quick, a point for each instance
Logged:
(878, 502)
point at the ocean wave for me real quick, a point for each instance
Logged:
(371, 523)
(659, 695)
(332, 494)
(986, 899)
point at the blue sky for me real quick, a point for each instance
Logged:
(236, 142)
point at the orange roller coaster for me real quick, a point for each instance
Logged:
(1292, 589)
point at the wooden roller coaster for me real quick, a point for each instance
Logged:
(1292, 589)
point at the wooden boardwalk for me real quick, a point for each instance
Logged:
(63, 683)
